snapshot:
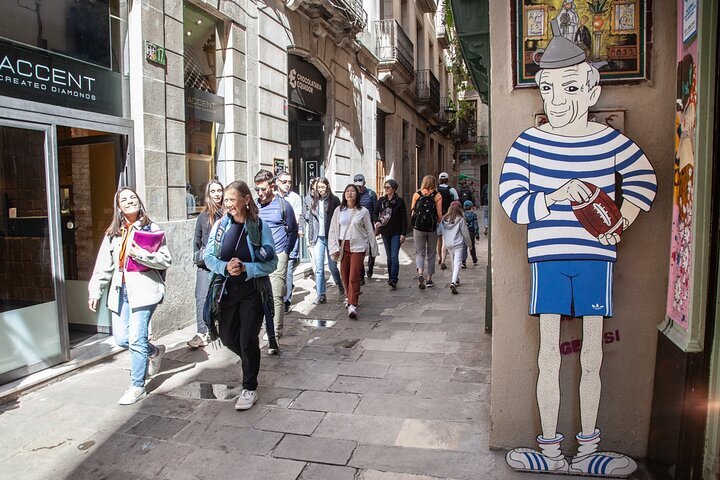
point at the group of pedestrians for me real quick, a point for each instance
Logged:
(247, 248)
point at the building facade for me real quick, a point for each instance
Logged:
(165, 96)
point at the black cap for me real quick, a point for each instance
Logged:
(359, 178)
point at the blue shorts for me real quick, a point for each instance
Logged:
(573, 287)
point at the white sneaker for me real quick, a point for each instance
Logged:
(199, 340)
(352, 311)
(132, 395)
(246, 399)
(155, 361)
(609, 464)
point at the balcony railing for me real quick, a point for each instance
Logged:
(427, 89)
(440, 28)
(355, 11)
(393, 45)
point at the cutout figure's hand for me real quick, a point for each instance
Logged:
(609, 239)
(574, 190)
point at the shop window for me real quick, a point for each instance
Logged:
(93, 32)
(204, 108)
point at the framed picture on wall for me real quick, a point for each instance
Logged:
(613, 34)
(624, 17)
(278, 165)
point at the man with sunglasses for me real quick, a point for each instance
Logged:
(283, 188)
(277, 214)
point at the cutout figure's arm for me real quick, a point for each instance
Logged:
(521, 204)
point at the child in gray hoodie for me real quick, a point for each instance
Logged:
(455, 234)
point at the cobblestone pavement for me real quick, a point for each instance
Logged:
(402, 393)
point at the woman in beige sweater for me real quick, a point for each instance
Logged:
(351, 230)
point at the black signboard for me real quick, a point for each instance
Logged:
(312, 170)
(48, 78)
(202, 105)
(306, 85)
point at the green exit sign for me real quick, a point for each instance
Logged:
(155, 53)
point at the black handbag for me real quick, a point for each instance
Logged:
(211, 310)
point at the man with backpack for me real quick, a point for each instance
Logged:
(449, 195)
(368, 199)
(277, 214)
(426, 208)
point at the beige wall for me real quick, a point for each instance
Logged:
(640, 274)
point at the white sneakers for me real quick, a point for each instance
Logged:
(132, 395)
(155, 362)
(199, 340)
(352, 311)
(246, 399)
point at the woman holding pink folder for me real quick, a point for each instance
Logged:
(131, 256)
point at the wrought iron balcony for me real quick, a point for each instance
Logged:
(427, 90)
(440, 28)
(341, 18)
(427, 6)
(393, 47)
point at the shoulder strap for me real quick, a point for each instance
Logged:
(220, 233)
(281, 202)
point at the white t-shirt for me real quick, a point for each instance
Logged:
(322, 206)
(345, 216)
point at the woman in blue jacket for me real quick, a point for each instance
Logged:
(240, 249)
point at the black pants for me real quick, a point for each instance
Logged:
(371, 264)
(241, 316)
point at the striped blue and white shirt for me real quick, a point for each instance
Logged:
(539, 163)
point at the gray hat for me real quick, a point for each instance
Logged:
(359, 179)
(560, 52)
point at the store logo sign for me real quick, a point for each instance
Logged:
(48, 78)
(292, 78)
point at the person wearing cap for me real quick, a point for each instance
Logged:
(571, 270)
(368, 199)
(449, 195)
(473, 230)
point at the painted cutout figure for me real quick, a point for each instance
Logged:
(559, 179)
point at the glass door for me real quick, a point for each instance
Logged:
(31, 294)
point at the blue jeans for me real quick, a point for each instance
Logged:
(320, 253)
(392, 251)
(130, 329)
(293, 260)
(202, 284)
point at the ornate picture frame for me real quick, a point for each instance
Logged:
(613, 33)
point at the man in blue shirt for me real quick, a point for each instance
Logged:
(368, 199)
(278, 215)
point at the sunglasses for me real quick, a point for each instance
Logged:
(285, 181)
(261, 189)
(387, 186)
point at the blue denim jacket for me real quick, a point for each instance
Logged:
(254, 268)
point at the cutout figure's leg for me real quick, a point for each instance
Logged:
(591, 357)
(588, 460)
(549, 458)
(548, 384)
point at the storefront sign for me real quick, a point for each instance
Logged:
(312, 168)
(306, 85)
(201, 105)
(48, 78)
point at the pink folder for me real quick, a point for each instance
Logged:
(149, 241)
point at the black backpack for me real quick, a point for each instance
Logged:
(466, 195)
(446, 198)
(424, 216)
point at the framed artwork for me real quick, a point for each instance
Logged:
(613, 34)
(278, 165)
(536, 21)
(624, 17)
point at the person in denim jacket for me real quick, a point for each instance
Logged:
(241, 248)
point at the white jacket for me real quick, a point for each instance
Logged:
(143, 288)
(360, 233)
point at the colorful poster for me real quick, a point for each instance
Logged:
(681, 243)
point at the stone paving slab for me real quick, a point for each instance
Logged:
(214, 464)
(326, 401)
(317, 471)
(355, 369)
(313, 449)
(360, 428)
(282, 420)
(225, 438)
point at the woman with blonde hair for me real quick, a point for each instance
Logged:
(426, 208)
(134, 292)
(455, 234)
(203, 225)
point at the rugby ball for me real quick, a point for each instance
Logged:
(599, 214)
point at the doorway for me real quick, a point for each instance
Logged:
(56, 189)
